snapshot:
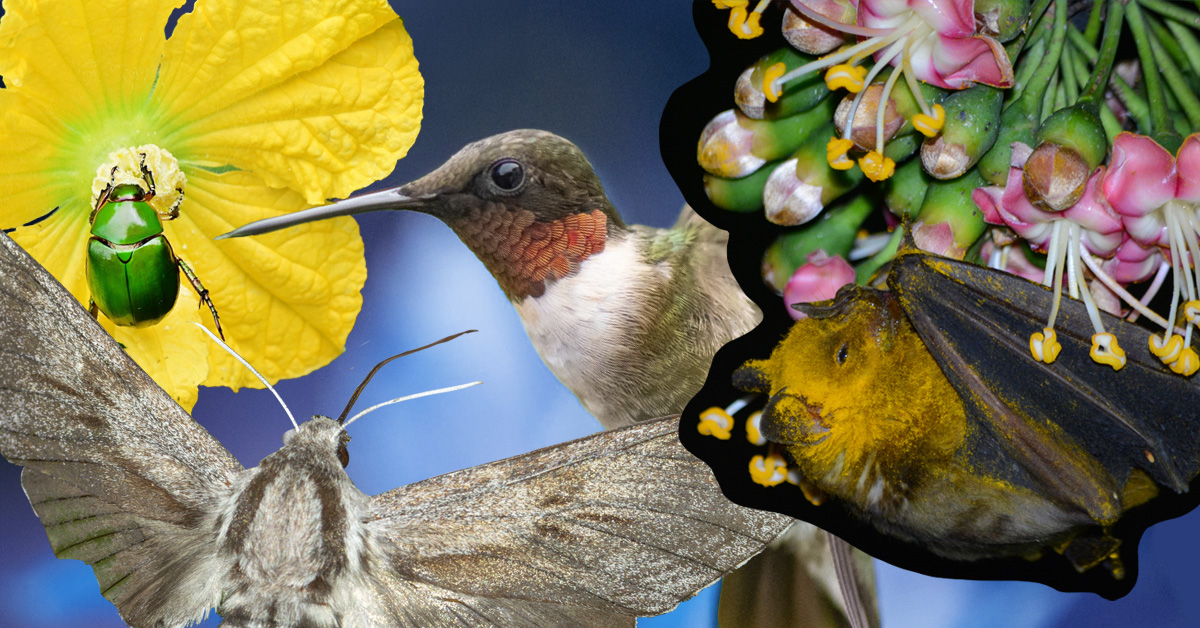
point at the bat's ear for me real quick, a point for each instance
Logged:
(752, 377)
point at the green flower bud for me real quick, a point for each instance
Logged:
(949, 203)
(805, 184)
(905, 191)
(738, 195)
(972, 123)
(733, 145)
(1079, 128)
(798, 96)
(1017, 124)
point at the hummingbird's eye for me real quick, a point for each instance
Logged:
(843, 353)
(508, 175)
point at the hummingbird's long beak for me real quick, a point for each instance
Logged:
(375, 201)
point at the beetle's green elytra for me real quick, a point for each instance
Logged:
(132, 272)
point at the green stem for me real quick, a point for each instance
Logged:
(1159, 121)
(1066, 71)
(1164, 38)
(1173, 11)
(1048, 100)
(1179, 87)
(1093, 24)
(1112, 126)
(1094, 91)
(1025, 70)
(1040, 84)
(1187, 41)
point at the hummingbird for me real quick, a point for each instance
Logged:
(627, 317)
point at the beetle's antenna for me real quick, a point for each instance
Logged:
(414, 396)
(342, 417)
(247, 365)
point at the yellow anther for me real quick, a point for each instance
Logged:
(876, 166)
(1044, 345)
(753, 433)
(929, 126)
(1166, 350)
(768, 471)
(1187, 364)
(1105, 350)
(770, 89)
(845, 76)
(715, 422)
(745, 27)
(729, 4)
(1191, 310)
(835, 153)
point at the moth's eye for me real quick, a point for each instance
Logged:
(343, 452)
(508, 175)
(842, 353)
(288, 435)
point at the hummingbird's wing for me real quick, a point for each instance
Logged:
(117, 472)
(616, 524)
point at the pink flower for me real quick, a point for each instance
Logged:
(1158, 196)
(817, 280)
(1101, 227)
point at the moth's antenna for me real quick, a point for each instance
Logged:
(247, 365)
(415, 396)
(342, 417)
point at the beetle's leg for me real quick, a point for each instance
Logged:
(202, 291)
(93, 309)
(104, 196)
(173, 213)
(148, 177)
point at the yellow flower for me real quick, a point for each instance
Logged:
(269, 107)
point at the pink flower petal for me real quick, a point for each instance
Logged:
(1132, 262)
(883, 14)
(1188, 169)
(988, 201)
(937, 238)
(1141, 177)
(817, 280)
(950, 18)
(1021, 216)
(1103, 230)
(959, 63)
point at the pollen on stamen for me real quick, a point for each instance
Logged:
(1105, 350)
(128, 166)
(715, 422)
(769, 470)
(930, 125)
(771, 88)
(835, 153)
(1044, 345)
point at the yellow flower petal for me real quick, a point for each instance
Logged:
(287, 300)
(174, 352)
(69, 56)
(322, 99)
(60, 244)
(28, 187)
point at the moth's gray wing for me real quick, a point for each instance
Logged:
(618, 524)
(117, 472)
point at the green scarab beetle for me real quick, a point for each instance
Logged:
(132, 272)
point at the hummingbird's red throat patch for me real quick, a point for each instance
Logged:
(523, 254)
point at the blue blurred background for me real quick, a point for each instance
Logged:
(600, 77)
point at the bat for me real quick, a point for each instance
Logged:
(588, 533)
(921, 412)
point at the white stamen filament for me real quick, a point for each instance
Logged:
(1120, 291)
(1159, 277)
(863, 48)
(1088, 302)
(407, 398)
(883, 99)
(1058, 263)
(252, 370)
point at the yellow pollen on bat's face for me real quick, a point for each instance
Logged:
(856, 392)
